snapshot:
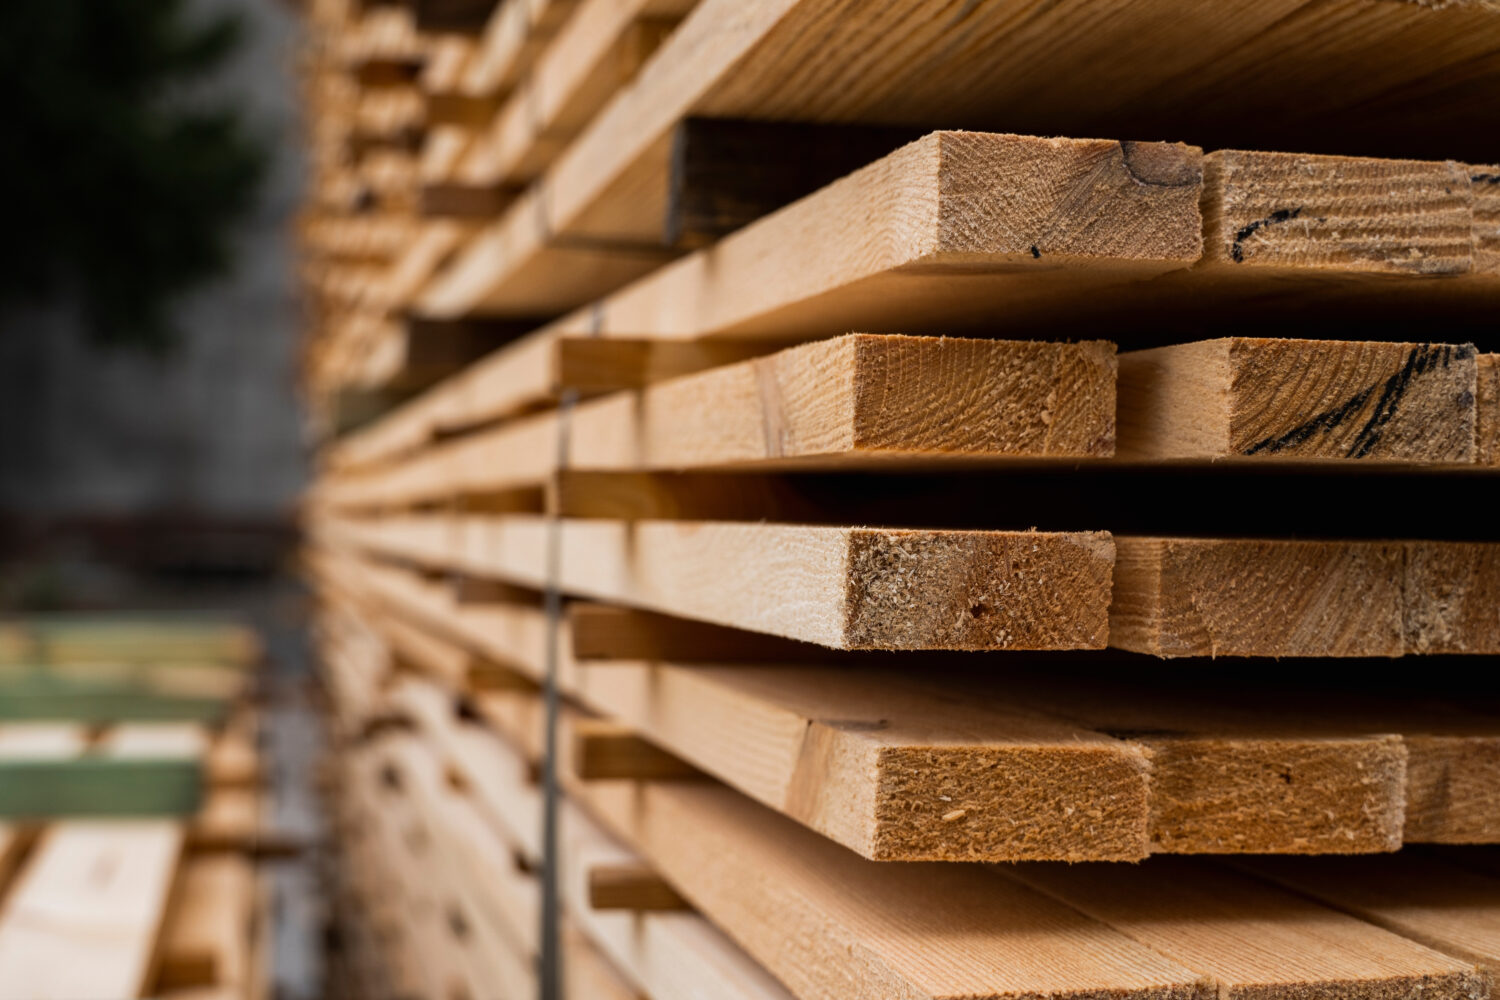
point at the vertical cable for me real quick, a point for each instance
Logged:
(550, 973)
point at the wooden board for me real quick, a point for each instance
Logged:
(854, 401)
(1248, 938)
(889, 767)
(949, 207)
(206, 940)
(596, 53)
(49, 770)
(1421, 897)
(795, 59)
(1201, 597)
(1234, 768)
(1261, 399)
(841, 587)
(668, 955)
(64, 638)
(921, 929)
(94, 889)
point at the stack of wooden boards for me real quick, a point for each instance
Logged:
(131, 796)
(874, 483)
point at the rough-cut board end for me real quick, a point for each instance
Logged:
(1039, 199)
(1088, 801)
(986, 398)
(978, 590)
(1352, 214)
(1278, 795)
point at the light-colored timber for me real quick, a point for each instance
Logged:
(1265, 399)
(855, 401)
(1249, 939)
(853, 588)
(630, 887)
(1250, 597)
(94, 889)
(794, 59)
(922, 929)
(1421, 897)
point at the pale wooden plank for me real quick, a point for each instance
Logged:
(1276, 400)
(1197, 597)
(1248, 938)
(841, 587)
(206, 940)
(939, 223)
(630, 887)
(889, 767)
(851, 402)
(83, 919)
(1419, 897)
(920, 930)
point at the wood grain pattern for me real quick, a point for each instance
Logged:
(856, 588)
(854, 400)
(1221, 597)
(1247, 938)
(1300, 400)
(1357, 215)
(889, 767)
(1419, 897)
(922, 929)
(793, 59)
(1232, 771)
(1488, 416)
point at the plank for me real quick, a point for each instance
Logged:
(594, 55)
(630, 887)
(830, 286)
(509, 44)
(889, 768)
(668, 955)
(63, 638)
(92, 889)
(47, 770)
(1235, 768)
(725, 174)
(794, 59)
(842, 587)
(206, 939)
(1266, 399)
(854, 401)
(923, 929)
(604, 750)
(949, 220)
(1418, 897)
(1252, 597)
(1245, 937)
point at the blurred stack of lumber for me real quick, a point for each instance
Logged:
(131, 811)
(872, 481)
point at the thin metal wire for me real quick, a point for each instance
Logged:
(549, 975)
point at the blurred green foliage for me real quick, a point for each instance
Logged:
(121, 182)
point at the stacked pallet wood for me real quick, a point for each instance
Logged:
(131, 813)
(751, 459)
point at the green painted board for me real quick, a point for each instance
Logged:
(35, 694)
(90, 786)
